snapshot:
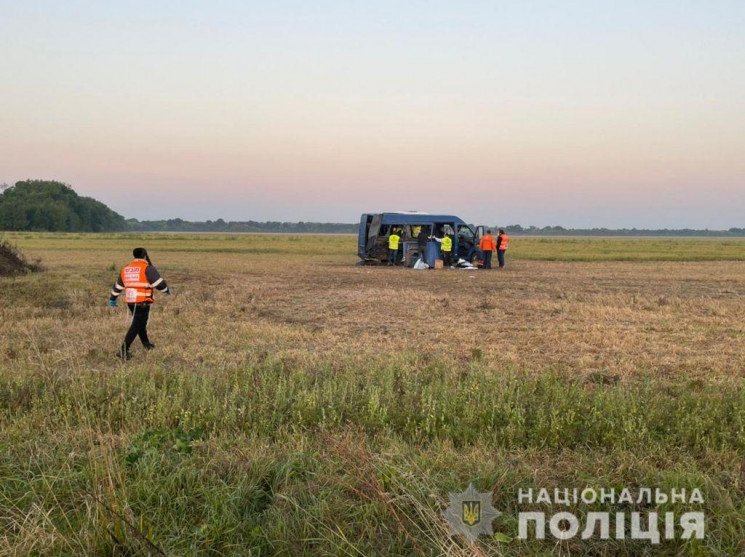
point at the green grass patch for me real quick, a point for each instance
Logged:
(337, 458)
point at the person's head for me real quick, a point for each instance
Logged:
(141, 253)
(488, 231)
(501, 230)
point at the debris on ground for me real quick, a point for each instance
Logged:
(420, 265)
(463, 264)
(13, 262)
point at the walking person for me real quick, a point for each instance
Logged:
(503, 241)
(487, 245)
(138, 280)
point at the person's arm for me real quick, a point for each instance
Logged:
(155, 280)
(499, 240)
(117, 289)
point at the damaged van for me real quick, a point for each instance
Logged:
(375, 229)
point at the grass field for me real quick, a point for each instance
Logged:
(298, 404)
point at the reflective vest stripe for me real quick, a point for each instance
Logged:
(139, 293)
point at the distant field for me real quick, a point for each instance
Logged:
(298, 404)
(523, 248)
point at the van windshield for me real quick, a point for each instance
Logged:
(465, 232)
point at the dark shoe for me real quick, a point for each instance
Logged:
(149, 346)
(124, 355)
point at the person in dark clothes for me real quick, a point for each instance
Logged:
(138, 281)
(421, 241)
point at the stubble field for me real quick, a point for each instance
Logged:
(298, 404)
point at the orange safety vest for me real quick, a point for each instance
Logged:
(137, 289)
(505, 241)
(487, 243)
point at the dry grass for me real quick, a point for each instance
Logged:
(667, 319)
(276, 354)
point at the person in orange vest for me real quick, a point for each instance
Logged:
(487, 245)
(138, 281)
(503, 242)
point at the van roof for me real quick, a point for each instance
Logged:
(419, 218)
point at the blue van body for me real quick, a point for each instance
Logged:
(375, 228)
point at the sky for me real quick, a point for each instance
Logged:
(576, 113)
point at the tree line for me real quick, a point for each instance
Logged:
(518, 230)
(42, 205)
(220, 225)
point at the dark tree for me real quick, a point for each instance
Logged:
(52, 206)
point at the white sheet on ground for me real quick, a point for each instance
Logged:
(420, 265)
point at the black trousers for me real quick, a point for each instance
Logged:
(487, 259)
(138, 327)
(500, 256)
(446, 258)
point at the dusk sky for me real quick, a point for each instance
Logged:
(576, 113)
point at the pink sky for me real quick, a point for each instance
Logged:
(594, 115)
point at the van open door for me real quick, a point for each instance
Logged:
(372, 233)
